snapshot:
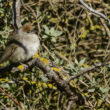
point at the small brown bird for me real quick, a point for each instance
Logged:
(22, 45)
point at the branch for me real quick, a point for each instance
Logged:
(106, 56)
(106, 28)
(16, 14)
(61, 84)
(94, 11)
(87, 70)
(11, 98)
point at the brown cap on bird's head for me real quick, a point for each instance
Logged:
(27, 27)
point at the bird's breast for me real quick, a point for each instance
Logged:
(32, 47)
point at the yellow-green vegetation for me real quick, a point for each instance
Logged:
(72, 40)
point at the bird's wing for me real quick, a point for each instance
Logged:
(8, 52)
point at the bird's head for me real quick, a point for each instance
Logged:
(26, 28)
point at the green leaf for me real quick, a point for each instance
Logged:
(53, 39)
(47, 31)
(104, 90)
(1, 10)
(76, 61)
(82, 61)
(91, 90)
(45, 79)
(52, 31)
(57, 33)
(44, 36)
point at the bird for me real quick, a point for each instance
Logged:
(21, 45)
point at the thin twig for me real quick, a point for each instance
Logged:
(86, 71)
(108, 33)
(94, 11)
(70, 103)
(11, 98)
(29, 9)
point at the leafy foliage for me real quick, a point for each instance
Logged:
(72, 40)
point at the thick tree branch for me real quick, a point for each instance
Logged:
(62, 84)
(46, 69)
